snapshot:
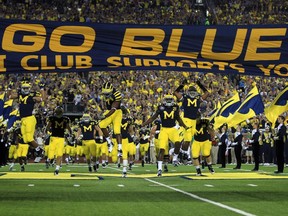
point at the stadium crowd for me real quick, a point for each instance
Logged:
(143, 91)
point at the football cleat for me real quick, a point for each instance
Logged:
(175, 163)
(56, 172)
(22, 168)
(159, 173)
(11, 166)
(103, 165)
(90, 169)
(95, 168)
(118, 165)
(47, 164)
(198, 172)
(211, 169)
(124, 174)
(165, 168)
(130, 166)
(142, 163)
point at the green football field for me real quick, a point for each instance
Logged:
(179, 192)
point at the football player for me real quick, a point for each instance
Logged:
(22, 150)
(125, 127)
(57, 125)
(14, 147)
(169, 114)
(114, 116)
(27, 100)
(144, 135)
(70, 148)
(191, 103)
(87, 133)
(101, 151)
(202, 143)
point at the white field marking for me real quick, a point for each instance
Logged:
(208, 185)
(31, 185)
(161, 185)
(40, 170)
(82, 166)
(68, 170)
(252, 185)
(76, 185)
(120, 185)
(238, 211)
(173, 170)
(120, 170)
(147, 170)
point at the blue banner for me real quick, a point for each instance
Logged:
(38, 46)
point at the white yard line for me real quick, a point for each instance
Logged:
(238, 211)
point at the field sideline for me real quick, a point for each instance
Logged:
(179, 192)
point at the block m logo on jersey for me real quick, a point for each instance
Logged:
(198, 132)
(59, 124)
(124, 126)
(168, 115)
(192, 102)
(89, 128)
(23, 100)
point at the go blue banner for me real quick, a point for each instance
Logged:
(38, 46)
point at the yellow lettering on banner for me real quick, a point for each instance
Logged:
(207, 47)
(70, 62)
(131, 46)
(44, 63)
(190, 63)
(238, 67)
(114, 61)
(24, 62)
(266, 70)
(150, 62)
(2, 61)
(55, 40)
(221, 65)
(167, 63)
(83, 62)
(173, 46)
(127, 61)
(204, 65)
(37, 40)
(283, 67)
(255, 43)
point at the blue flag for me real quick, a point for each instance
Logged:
(278, 106)
(227, 110)
(250, 107)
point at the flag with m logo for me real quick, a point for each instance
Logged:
(278, 106)
(250, 107)
(227, 110)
